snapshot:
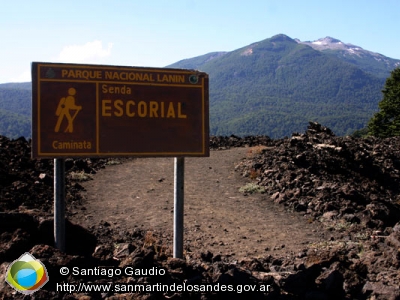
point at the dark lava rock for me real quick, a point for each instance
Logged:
(350, 185)
(317, 172)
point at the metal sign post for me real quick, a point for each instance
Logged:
(81, 110)
(59, 204)
(179, 170)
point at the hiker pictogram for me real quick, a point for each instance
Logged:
(67, 109)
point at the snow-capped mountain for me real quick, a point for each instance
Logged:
(369, 61)
(273, 86)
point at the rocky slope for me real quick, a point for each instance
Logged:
(349, 185)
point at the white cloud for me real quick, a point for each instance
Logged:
(90, 52)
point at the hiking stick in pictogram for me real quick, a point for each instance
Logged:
(64, 108)
(70, 127)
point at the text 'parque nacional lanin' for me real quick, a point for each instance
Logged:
(91, 111)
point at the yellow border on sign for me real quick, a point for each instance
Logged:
(204, 116)
(117, 154)
(97, 119)
(125, 82)
(119, 68)
(97, 82)
(38, 112)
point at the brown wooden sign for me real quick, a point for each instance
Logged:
(98, 111)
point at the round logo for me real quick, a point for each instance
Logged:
(27, 274)
(193, 79)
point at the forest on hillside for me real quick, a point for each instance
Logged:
(15, 110)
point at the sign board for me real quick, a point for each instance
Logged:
(97, 111)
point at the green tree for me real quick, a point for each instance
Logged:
(386, 122)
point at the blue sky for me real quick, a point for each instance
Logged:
(158, 33)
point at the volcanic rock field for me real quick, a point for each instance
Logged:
(349, 186)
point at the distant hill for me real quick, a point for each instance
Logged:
(15, 109)
(196, 62)
(271, 87)
(277, 85)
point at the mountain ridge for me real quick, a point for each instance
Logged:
(367, 60)
(276, 86)
(330, 45)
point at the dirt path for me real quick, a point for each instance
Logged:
(218, 218)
